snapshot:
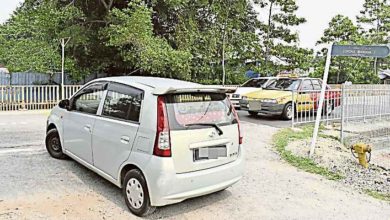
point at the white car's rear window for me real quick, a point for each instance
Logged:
(195, 108)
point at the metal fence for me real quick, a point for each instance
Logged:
(14, 98)
(348, 103)
(306, 103)
(36, 97)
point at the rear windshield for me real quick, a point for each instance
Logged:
(195, 108)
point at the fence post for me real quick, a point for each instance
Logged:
(343, 105)
(380, 104)
(293, 109)
(57, 94)
(23, 98)
(364, 105)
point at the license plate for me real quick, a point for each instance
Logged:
(206, 153)
(255, 106)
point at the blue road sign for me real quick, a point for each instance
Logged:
(361, 51)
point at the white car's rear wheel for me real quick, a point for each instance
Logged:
(136, 193)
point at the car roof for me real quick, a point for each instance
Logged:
(297, 78)
(152, 82)
(266, 77)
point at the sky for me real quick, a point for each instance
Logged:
(317, 12)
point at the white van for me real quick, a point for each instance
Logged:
(161, 140)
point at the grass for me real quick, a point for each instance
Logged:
(378, 195)
(281, 140)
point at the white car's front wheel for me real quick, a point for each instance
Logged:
(53, 144)
(136, 193)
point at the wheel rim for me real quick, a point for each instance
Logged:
(55, 144)
(289, 112)
(135, 193)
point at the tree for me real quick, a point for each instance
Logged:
(30, 39)
(375, 18)
(220, 35)
(341, 30)
(277, 34)
(132, 28)
(176, 38)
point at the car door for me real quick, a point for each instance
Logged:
(115, 130)
(79, 121)
(305, 101)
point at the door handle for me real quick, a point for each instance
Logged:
(125, 139)
(87, 128)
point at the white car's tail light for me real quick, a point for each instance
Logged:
(162, 145)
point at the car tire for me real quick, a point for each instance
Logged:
(287, 112)
(251, 113)
(53, 144)
(136, 194)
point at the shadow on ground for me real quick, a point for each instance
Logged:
(111, 192)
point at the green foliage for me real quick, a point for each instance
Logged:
(182, 39)
(342, 31)
(279, 41)
(30, 39)
(378, 195)
(131, 30)
(281, 140)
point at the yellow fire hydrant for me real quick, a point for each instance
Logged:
(361, 149)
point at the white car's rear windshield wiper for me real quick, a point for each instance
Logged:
(220, 132)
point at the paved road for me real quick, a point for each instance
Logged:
(35, 186)
(272, 121)
(22, 131)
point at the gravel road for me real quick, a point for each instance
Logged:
(35, 186)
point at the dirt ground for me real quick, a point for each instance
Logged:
(35, 186)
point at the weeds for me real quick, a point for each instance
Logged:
(281, 140)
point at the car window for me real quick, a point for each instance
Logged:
(88, 99)
(191, 108)
(284, 84)
(255, 83)
(123, 102)
(306, 85)
(316, 84)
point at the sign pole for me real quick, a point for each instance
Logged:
(62, 67)
(321, 102)
(63, 44)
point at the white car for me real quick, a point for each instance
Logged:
(161, 140)
(251, 85)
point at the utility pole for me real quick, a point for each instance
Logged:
(63, 44)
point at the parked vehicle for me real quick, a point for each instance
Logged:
(161, 140)
(277, 98)
(252, 85)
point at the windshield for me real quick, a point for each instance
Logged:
(198, 108)
(258, 83)
(284, 84)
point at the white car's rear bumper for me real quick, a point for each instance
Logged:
(167, 187)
